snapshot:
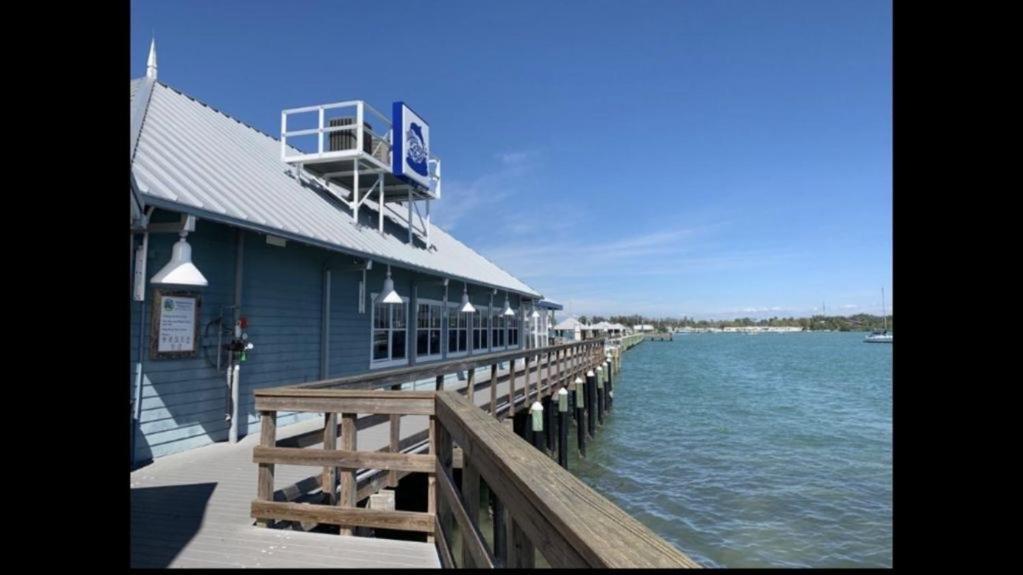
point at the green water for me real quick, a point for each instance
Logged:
(772, 450)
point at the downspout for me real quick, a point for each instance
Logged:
(232, 366)
(141, 258)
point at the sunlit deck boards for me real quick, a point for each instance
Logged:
(192, 510)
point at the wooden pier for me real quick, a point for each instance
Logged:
(370, 436)
(660, 336)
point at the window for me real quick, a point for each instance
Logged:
(513, 332)
(458, 330)
(481, 328)
(389, 333)
(428, 328)
(496, 328)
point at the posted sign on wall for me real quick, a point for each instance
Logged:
(175, 324)
(411, 136)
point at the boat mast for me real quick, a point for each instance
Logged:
(884, 316)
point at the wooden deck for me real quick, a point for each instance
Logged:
(192, 509)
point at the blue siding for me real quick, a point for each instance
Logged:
(184, 401)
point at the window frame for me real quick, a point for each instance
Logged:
(390, 361)
(487, 330)
(440, 340)
(447, 335)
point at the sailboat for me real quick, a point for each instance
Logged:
(880, 336)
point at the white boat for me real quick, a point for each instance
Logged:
(880, 336)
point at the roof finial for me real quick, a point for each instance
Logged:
(151, 62)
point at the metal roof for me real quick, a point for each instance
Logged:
(547, 304)
(570, 323)
(195, 159)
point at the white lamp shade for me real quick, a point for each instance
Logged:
(390, 295)
(467, 307)
(180, 270)
(535, 314)
(507, 308)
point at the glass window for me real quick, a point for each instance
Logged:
(389, 332)
(480, 328)
(458, 330)
(428, 328)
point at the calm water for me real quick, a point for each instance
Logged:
(752, 451)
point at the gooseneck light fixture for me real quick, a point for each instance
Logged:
(390, 295)
(180, 270)
(467, 306)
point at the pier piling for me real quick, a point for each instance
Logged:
(600, 395)
(580, 417)
(591, 403)
(536, 424)
(563, 427)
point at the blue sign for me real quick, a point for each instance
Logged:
(411, 138)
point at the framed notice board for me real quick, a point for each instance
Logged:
(174, 329)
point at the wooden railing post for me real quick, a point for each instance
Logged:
(511, 389)
(328, 485)
(431, 478)
(500, 530)
(470, 389)
(442, 440)
(348, 486)
(471, 495)
(520, 549)
(267, 438)
(395, 445)
(525, 400)
(493, 389)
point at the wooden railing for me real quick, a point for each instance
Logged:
(537, 505)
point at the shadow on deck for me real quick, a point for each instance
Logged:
(155, 543)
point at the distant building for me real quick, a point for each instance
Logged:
(642, 328)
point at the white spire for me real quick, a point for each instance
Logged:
(151, 62)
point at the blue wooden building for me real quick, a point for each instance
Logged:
(283, 260)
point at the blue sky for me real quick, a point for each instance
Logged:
(709, 158)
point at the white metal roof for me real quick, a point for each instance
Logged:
(570, 323)
(195, 159)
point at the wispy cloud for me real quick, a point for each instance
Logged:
(462, 199)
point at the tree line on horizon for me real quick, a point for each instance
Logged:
(858, 322)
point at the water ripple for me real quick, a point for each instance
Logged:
(768, 451)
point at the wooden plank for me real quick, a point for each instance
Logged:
(431, 487)
(329, 482)
(395, 446)
(570, 524)
(267, 437)
(521, 553)
(493, 389)
(388, 377)
(402, 406)
(474, 549)
(346, 517)
(443, 549)
(349, 442)
(347, 460)
(444, 454)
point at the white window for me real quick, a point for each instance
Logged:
(513, 331)
(496, 328)
(429, 315)
(390, 330)
(481, 328)
(458, 330)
